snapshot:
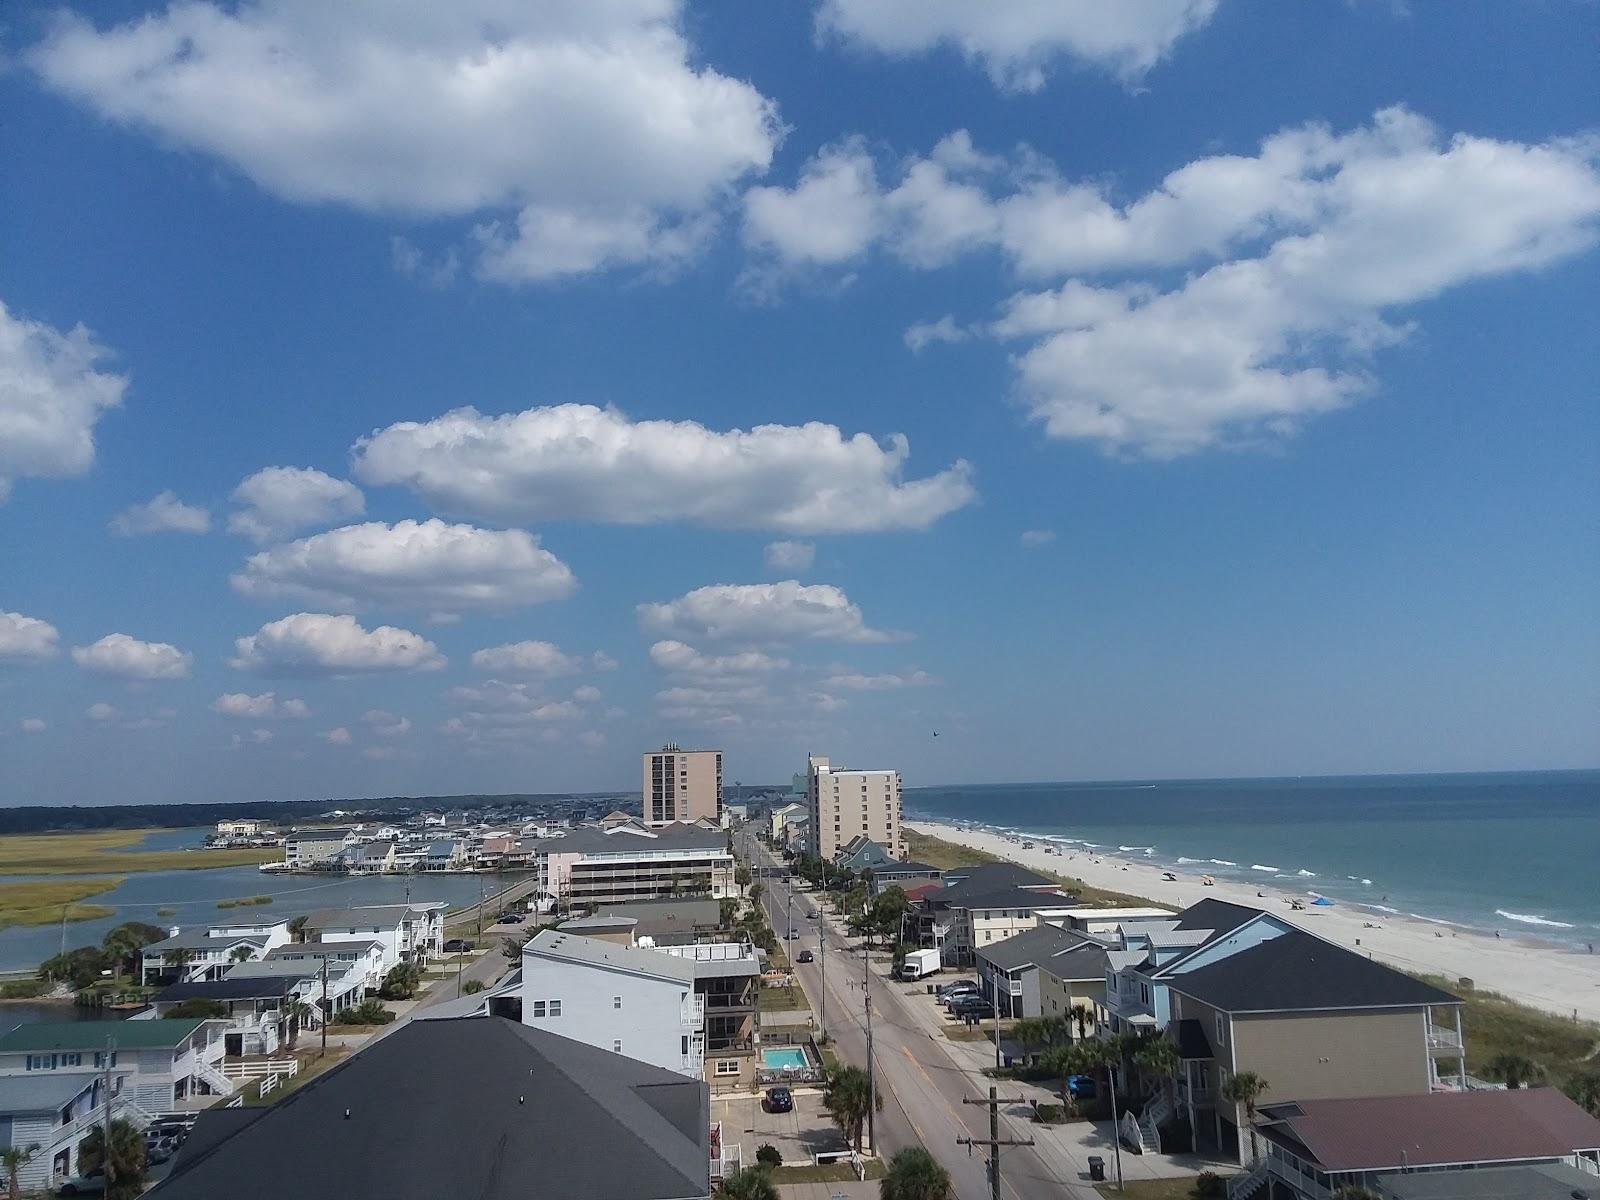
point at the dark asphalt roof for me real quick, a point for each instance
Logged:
(92, 1035)
(1219, 916)
(1371, 1133)
(906, 867)
(1034, 947)
(1004, 898)
(989, 877)
(43, 1091)
(1542, 1181)
(495, 1109)
(1297, 971)
(258, 987)
(668, 837)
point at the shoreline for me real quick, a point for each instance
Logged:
(1520, 967)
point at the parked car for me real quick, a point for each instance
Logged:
(1081, 1087)
(790, 935)
(778, 1100)
(158, 1151)
(960, 985)
(89, 1181)
(973, 1008)
(458, 945)
(805, 956)
(511, 918)
(967, 993)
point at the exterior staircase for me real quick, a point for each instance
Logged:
(1249, 1185)
(1156, 1114)
(216, 1080)
(1132, 1132)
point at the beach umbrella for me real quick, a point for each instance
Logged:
(1323, 900)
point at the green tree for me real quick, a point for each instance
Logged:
(401, 982)
(1514, 1070)
(1159, 1057)
(914, 1175)
(847, 1097)
(369, 1012)
(757, 890)
(80, 967)
(125, 1169)
(241, 954)
(889, 910)
(180, 958)
(727, 912)
(1081, 1017)
(297, 928)
(1068, 1059)
(742, 876)
(473, 986)
(1245, 1087)
(512, 949)
(752, 1183)
(1044, 1032)
(12, 1160)
(768, 1155)
(1584, 1088)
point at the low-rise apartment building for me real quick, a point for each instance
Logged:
(162, 1061)
(54, 1112)
(727, 981)
(626, 863)
(344, 985)
(406, 932)
(1526, 1143)
(631, 1001)
(1013, 973)
(305, 848)
(1242, 990)
(208, 952)
(257, 1008)
(978, 906)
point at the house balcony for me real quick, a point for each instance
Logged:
(1443, 1042)
(1129, 1007)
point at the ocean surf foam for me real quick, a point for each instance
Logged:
(1529, 919)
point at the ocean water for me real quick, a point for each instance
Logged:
(1517, 852)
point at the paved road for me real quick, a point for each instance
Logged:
(922, 1086)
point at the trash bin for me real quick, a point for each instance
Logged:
(1097, 1168)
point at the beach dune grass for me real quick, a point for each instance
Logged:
(41, 902)
(1494, 1026)
(105, 851)
(936, 852)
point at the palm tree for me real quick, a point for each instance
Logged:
(1159, 1057)
(297, 928)
(1042, 1031)
(1514, 1070)
(1245, 1087)
(1584, 1088)
(12, 1160)
(1081, 1017)
(914, 1175)
(180, 958)
(757, 890)
(241, 954)
(847, 1098)
(1067, 1060)
(120, 946)
(752, 1183)
(125, 1174)
(295, 1011)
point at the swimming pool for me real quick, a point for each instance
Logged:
(790, 1058)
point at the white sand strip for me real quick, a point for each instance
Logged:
(1532, 972)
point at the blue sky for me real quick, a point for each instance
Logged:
(406, 399)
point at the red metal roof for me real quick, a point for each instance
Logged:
(1379, 1132)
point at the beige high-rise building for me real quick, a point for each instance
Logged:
(682, 785)
(847, 804)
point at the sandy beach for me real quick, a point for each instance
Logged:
(1532, 972)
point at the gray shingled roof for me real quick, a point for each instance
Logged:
(1033, 947)
(668, 837)
(510, 1112)
(43, 1091)
(242, 987)
(569, 947)
(1299, 972)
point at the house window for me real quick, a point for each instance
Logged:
(616, 1046)
(41, 1062)
(555, 1008)
(1222, 1031)
(100, 1058)
(538, 1008)
(616, 1002)
(72, 1060)
(1144, 993)
(727, 1066)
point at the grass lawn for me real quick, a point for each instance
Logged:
(311, 1065)
(104, 851)
(937, 852)
(40, 902)
(1148, 1189)
(778, 999)
(1495, 1025)
(841, 1172)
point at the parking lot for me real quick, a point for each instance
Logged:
(798, 1135)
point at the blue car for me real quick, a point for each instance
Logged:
(1080, 1087)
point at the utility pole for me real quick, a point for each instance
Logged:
(994, 1003)
(323, 1053)
(822, 961)
(105, 1118)
(872, 1084)
(994, 1141)
(1116, 1126)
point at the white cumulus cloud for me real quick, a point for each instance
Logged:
(278, 501)
(337, 736)
(855, 681)
(543, 659)
(26, 639)
(1017, 42)
(318, 644)
(587, 695)
(426, 565)
(922, 334)
(580, 462)
(52, 394)
(34, 725)
(100, 711)
(244, 705)
(162, 513)
(789, 556)
(578, 136)
(118, 656)
(683, 659)
(762, 612)
(1032, 538)
(385, 723)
